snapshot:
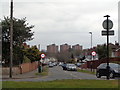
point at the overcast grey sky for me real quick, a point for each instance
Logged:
(65, 21)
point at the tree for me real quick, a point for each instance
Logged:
(32, 53)
(102, 51)
(21, 33)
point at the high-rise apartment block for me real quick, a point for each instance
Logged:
(77, 47)
(64, 48)
(52, 48)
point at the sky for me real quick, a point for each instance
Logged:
(65, 21)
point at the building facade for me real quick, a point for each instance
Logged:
(52, 48)
(64, 48)
(77, 47)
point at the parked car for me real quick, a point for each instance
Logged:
(78, 64)
(64, 66)
(71, 67)
(60, 63)
(51, 65)
(102, 70)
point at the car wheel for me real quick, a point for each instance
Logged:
(98, 75)
(111, 75)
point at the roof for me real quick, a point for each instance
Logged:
(117, 49)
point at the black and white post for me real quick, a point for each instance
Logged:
(107, 24)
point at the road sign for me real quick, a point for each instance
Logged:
(43, 55)
(93, 53)
(110, 24)
(104, 33)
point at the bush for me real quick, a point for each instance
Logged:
(26, 59)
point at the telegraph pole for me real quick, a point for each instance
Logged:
(11, 37)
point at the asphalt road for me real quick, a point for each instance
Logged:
(56, 73)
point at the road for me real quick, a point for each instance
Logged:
(56, 73)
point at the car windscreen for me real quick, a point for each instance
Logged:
(72, 65)
(102, 65)
(115, 66)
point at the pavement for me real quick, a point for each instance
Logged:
(23, 76)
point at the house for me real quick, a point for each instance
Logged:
(117, 53)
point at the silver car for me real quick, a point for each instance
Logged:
(51, 65)
(71, 67)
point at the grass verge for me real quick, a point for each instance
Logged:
(63, 84)
(86, 71)
(44, 73)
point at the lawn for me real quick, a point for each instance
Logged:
(63, 84)
(86, 71)
(44, 73)
(0, 85)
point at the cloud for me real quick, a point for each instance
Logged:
(66, 21)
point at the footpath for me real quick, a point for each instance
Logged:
(31, 74)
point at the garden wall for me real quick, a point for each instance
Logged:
(23, 68)
(96, 63)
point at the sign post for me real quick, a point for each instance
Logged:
(93, 54)
(107, 24)
(40, 65)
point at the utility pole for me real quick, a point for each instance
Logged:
(1, 54)
(11, 37)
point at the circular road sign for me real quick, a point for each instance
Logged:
(93, 53)
(110, 24)
(43, 55)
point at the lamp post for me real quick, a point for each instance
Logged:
(107, 24)
(91, 43)
(91, 49)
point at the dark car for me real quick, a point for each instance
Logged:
(64, 66)
(114, 70)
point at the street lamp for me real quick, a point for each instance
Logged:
(91, 42)
(107, 24)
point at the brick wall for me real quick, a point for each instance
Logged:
(96, 63)
(118, 53)
(23, 68)
(15, 70)
(26, 67)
